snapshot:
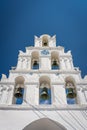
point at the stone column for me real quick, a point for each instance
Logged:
(71, 62)
(45, 60)
(28, 63)
(4, 95)
(19, 64)
(68, 65)
(45, 63)
(29, 95)
(59, 95)
(85, 94)
(25, 95)
(24, 63)
(80, 96)
(0, 93)
(10, 94)
(37, 94)
(62, 63)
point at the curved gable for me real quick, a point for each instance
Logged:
(44, 124)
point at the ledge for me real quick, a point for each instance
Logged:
(43, 107)
(44, 48)
(46, 71)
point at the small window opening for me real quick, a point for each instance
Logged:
(35, 65)
(19, 95)
(70, 93)
(44, 91)
(45, 44)
(35, 60)
(55, 65)
(19, 90)
(54, 60)
(45, 41)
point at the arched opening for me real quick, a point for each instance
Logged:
(19, 90)
(54, 61)
(45, 124)
(44, 90)
(70, 91)
(35, 60)
(44, 41)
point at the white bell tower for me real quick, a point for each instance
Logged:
(45, 86)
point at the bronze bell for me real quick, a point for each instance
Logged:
(44, 94)
(35, 63)
(54, 63)
(71, 93)
(45, 43)
(18, 93)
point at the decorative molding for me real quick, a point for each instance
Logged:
(42, 48)
(44, 52)
(43, 107)
(46, 71)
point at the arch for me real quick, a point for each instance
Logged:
(19, 80)
(44, 90)
(70, 78)
(45, 41)
(54, 60)
(45, 35)
(45, 124)
(35, 60)
(18, 90)
(70, 87)
(44, 79)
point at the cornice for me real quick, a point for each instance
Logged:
(44, 107)
(64, 54)
(61, 55)
(46, 71)
(44, 48)
(29, 83)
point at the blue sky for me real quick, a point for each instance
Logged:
(20, 20)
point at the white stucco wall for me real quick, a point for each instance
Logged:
(18, 119)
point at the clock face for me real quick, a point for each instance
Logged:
(44, 52)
